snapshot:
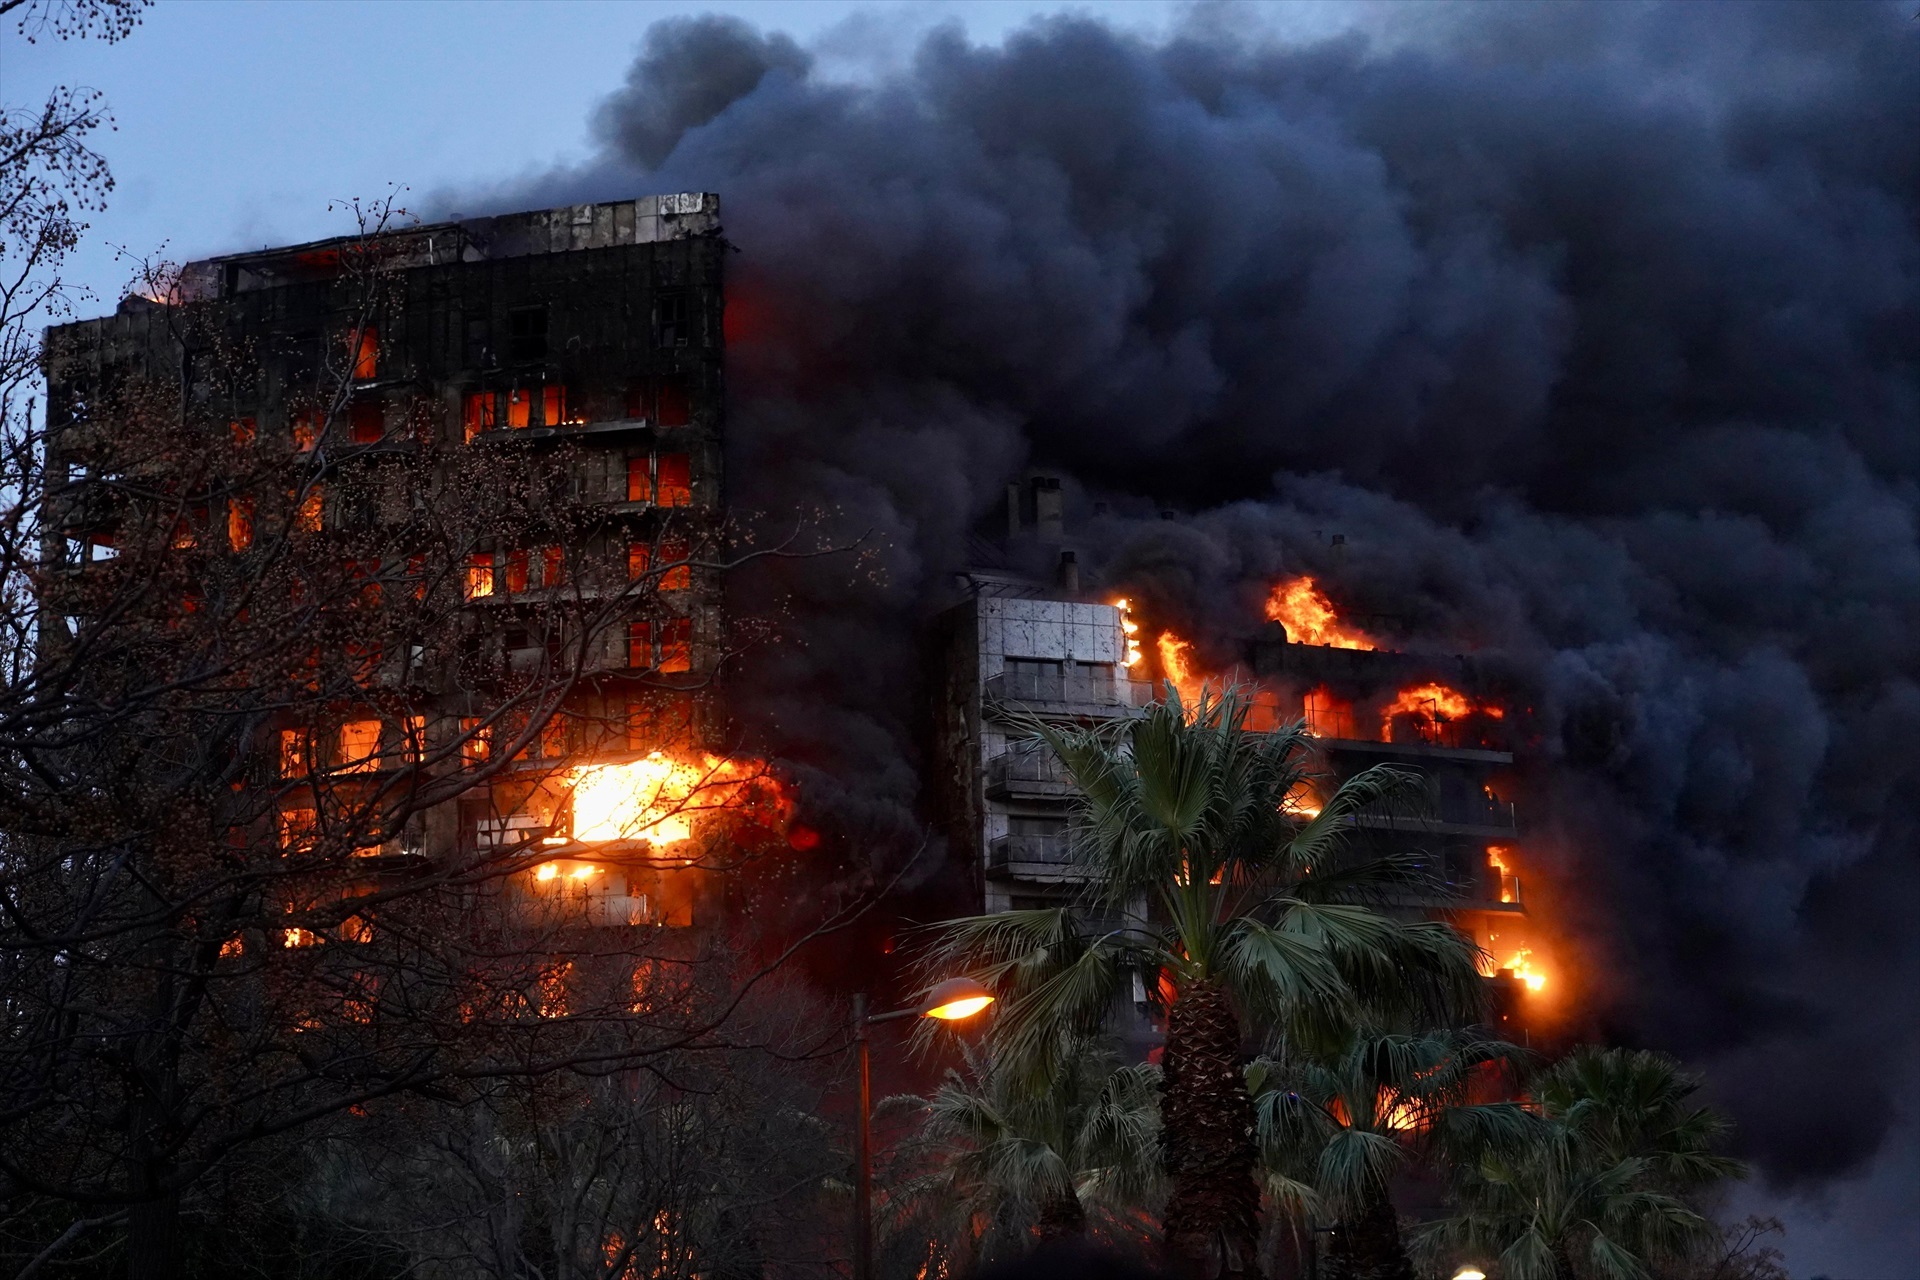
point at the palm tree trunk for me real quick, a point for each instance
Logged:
(1374, 1242)
(1212, 1220)
(1061, 1218)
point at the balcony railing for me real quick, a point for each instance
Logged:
(592, 910)
(1028, 773)
(1341, 723)
(1077, 692)
(1479, 811)
(1030, 855)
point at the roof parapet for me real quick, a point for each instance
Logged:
(646, 220)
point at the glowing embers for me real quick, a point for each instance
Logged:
(659, 798)
(1309, 618)
(1431, 713)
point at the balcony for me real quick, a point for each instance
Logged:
(1410, 736)
(1031, 857)
(1036, 774)
(584, 910)
(1078, 693)
(1478, 811)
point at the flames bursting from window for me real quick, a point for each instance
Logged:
(1176, 666)
(660, 798)
(1309, 618)
(1131, 630)
(1433, 710)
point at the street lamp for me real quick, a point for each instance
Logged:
(950, 1001)
(1469, 1272)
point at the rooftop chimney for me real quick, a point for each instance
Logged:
(1069, 573)
(1049, 508)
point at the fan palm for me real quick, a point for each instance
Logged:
(1336, 1127)
(1232, 902)
(1599, 1187)
(1004, 1166)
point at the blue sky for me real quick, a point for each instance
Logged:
(239, 122)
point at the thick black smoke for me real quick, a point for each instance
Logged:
(1593, 328)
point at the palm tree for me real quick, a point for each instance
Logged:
(1002, 1167)
(1599, 1187)
(1335, 1128)
(1233, 904)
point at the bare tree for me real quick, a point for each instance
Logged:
(318, 753)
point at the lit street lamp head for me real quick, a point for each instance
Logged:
(956, 998)
(1469, 1272)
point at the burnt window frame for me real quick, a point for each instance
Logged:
(528, 331)
(672, 319)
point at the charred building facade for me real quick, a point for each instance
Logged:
(385, 378)
(1017, 647)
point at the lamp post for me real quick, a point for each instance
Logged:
(950, 1001)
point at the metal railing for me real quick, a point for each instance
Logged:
(1030, 851)
(591, 909)
(1069, 689)
(1406, 730)
(1037, 772)
(1479, 811)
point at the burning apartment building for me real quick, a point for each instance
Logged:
(518, 416)
(1019, 646)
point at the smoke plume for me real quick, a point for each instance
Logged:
(1593, 328)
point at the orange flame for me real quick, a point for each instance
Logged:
(1309, 617)
(1431, 706)
(1521, 962)
(1496, 858)
(1176, 663)
(1131, 630)
(660, 798)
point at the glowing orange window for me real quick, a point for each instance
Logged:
(476, 740)
(478, 413)
(676, 645)
(311, 513)
(415, 730)
(519, 408)
(479, 576)
(553, 406)
(553, 566)
(675, 573)
(243, 431)
(366, 357)
(639, 557)
(639, 479)
(553, 737)
(240, 523)
(516, 567)
(306, 430)
(298, 830)
(673, 481)
(293, 753)
(360, 746)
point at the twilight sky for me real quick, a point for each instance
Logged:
(239, 123)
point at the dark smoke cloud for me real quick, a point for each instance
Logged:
(1594, 329)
